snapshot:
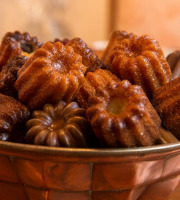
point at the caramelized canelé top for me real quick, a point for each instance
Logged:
(54, 72)
(16, 43)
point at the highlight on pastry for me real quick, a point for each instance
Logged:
(123, 117)
(89, 58)
(140, 60)
(54, 72)
(63, 125)
(100, 77)
(115, 39)
(71, 98)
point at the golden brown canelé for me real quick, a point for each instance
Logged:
(167, 103)
(16, 43)
(100, 77)
(140, 60)
(174, 62)
(89, 58)
(123, 117)
(54, 72)
(12, 113)
(115, 38)
(63, 125)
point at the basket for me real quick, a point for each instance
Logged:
(29, 172)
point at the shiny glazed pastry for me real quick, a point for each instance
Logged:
(115, 39)
(167, 103)
(8, 75)
(141, 61)
(52, 73)
(123, 117)
(12, 113)
(16, 43)
(174, 63)
(89, 59)
(63, 125)
(100, 77)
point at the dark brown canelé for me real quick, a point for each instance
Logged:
(63, 125)
(8, 75)
(16, 43)
(12, 113)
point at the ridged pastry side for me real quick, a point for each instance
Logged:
(167, 103)
(89, 58)
(140, 60)
(12, 113)
(8, 75)
(123, 117)
(52, 73)
(115, 39)
(63, 125)
(99, 78)
(16, 43)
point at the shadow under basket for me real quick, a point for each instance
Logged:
(29, 172)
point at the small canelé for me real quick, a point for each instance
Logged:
(54, 72)
(63, 125)
(123, 117)
(17, 43)
(140, 60)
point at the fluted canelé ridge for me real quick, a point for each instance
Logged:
(123, 117)
(8, 75)
(63, 125)
(16, 43)
(141, 60)
(99, 78)
(12, 113)
(167, 103)
(54, 72)
(89, 58)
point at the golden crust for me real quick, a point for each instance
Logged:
(141, 61)
(52, 73)
(89, 58)
(115, 39)
(99, 78)
(123, 117)
(166, 101)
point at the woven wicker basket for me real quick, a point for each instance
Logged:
(29, 172)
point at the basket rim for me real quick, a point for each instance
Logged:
(133, 151)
